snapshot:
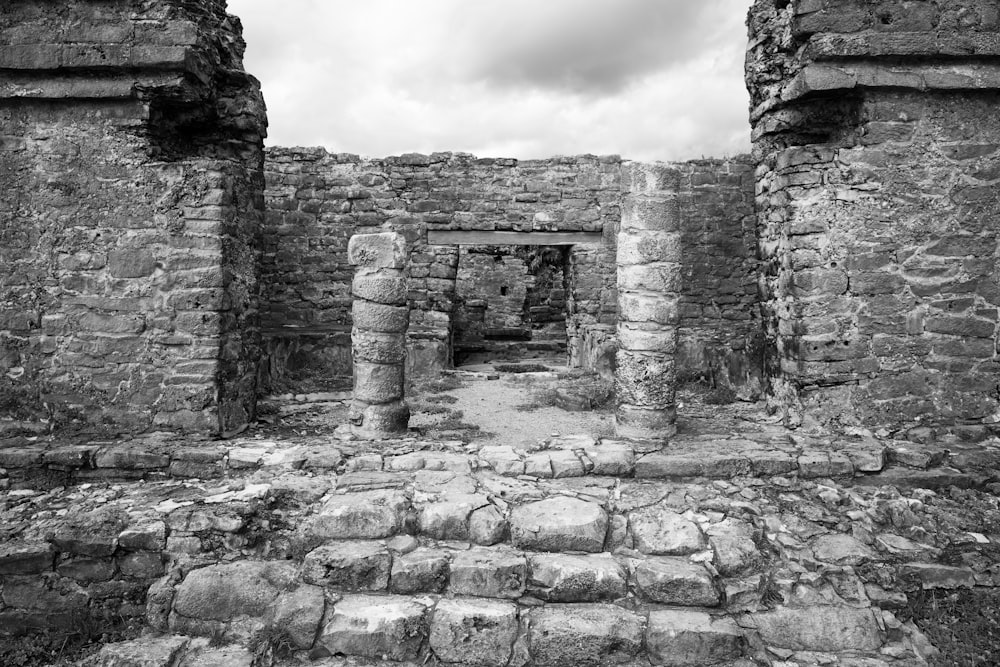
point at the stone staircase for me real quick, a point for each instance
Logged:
(586, 552)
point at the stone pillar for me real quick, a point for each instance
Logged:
(381, 317)
(649, 281)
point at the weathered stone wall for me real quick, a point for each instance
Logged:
(131, 163)
(317, 200)
(719, 325)
(877, 148)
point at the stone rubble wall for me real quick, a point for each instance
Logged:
(877, 151)
(131, 160)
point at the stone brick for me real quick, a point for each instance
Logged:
(369, 316)
(659, 531)
(566, 578)
(574, 635)
(830, 629)
(559, 524)
(478, 632)
(364, 515)
(386, 250)
(378, 383)
(349, 566)
(422, 570)
(390, 627)
(675, 581)
(680, 638)
(488, 572)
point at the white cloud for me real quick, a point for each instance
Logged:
(648, 79)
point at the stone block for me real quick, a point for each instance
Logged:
(488, 572)
(370, 316)
(378, 421)
(932, 575)
(656, 214)
(829, 629)
(378, 348)
(634, 421)
(298, 613)
(142, 652)
(841, 550)
(384, 627)
(380, 288)
(382, 251)
(613, 460)
(659, 309)
(226, 591)
(473, 632)
(420, 571)
(675, 581)
(559, 524)
(378, 383)
(25, 557)
(349, 566)
(733, 547)
(660, 531)
(568, 578)
(649, 247)
(656, 339)
(364, 515)
(645, 379)
(449, 519)
(141, 564)
(584, 635)
(691, 638)
(487, 526)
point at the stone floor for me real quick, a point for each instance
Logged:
(740, 543)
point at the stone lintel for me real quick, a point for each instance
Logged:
(513, 238)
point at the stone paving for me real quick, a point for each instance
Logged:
(768, 547)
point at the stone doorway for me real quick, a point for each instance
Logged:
(520, 295)
(511, 303)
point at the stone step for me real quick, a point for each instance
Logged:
(301, 621)
(49, 465)
(505, 573)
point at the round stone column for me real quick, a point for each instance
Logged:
(381, 317)
(649, 284)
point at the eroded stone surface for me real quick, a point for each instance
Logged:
(585, 634)
(365, 515)
(681, 638)
(477, 632)
(559, 524)
(565, 578)
(373, 627)
(660, 531)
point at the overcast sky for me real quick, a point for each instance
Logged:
(647, 79)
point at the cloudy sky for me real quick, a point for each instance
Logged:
(647, 79)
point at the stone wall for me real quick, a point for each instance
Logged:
(317, 200)
(877, 148)
(131, 163)
(719, 327)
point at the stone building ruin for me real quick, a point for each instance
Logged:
(161, 271)
(161, 268)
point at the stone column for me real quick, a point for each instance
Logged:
(381, 317)
(649, 282)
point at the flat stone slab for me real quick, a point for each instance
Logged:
(359, 516)
(142, 652)
(559, 524)
(227, 591)
(488, 572)
(371, 626)
(657, 530)
(691, 638)
(349, 566)
(571, 635)
(420, 571)
(568, 578)
(817, 628)
(476, 632)
(675, 581)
